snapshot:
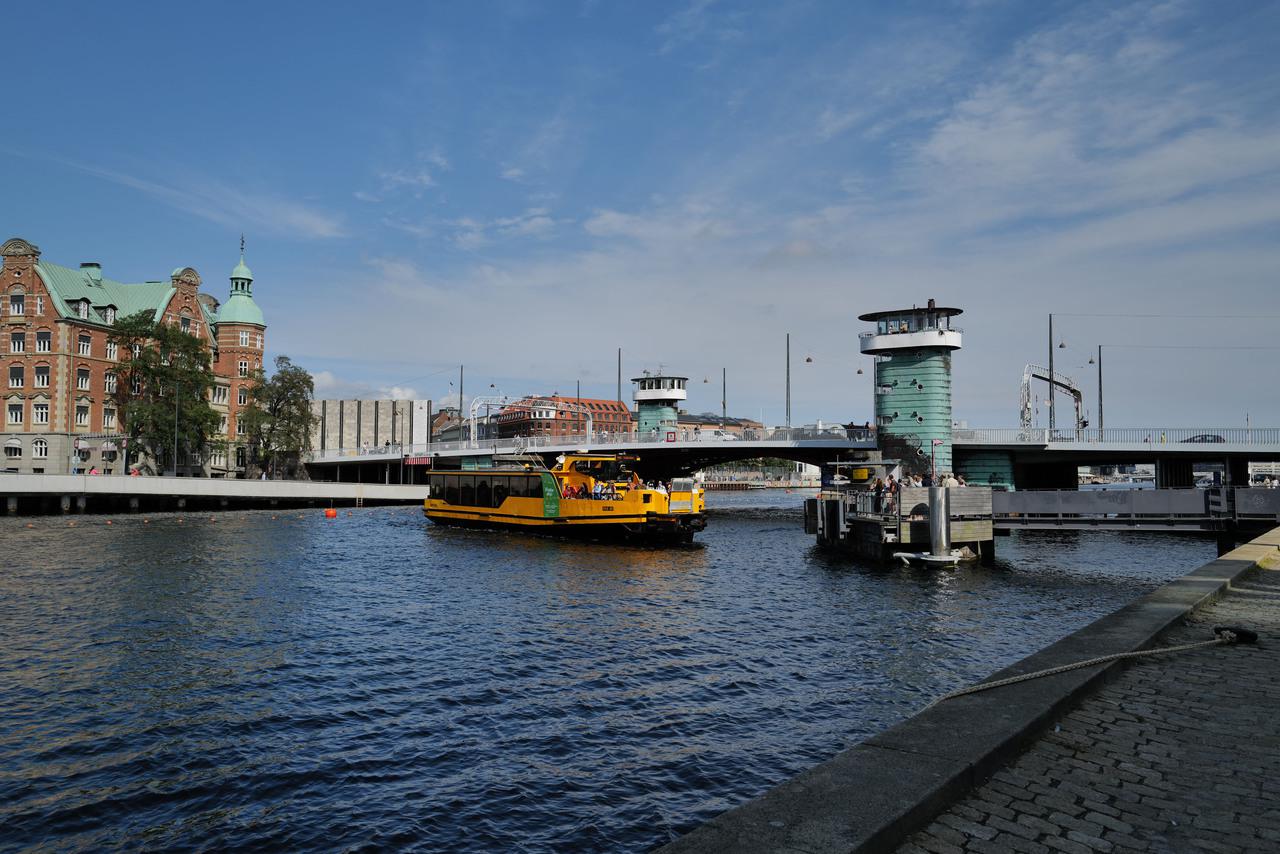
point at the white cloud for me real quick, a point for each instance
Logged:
(231, 206)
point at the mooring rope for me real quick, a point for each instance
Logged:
(1225, 635)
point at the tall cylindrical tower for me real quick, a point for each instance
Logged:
(658, 398)
(912, 348)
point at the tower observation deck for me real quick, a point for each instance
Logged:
(658, 398)
(912, 349)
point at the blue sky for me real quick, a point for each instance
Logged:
(523, 187)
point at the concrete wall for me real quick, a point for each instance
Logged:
(368, 423)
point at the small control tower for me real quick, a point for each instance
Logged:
(912, 348)
(658, 398)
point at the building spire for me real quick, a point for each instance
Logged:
(242, 247)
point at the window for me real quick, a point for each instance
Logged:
(242, 396)
(16, 379)
(82, 415)
(220, 394)
(82, 379)
(44, 342)
(108, 419)
(113, 350)
(40, 415)
(259, 340)
(41, 378)
(18, 342)
(136, 385)
(137, 351)
(40, 448)
(111, 314)
(240, 457)
(12, 452)
(82, 309)
(222, 427)
(186, 324)
(85, 345)
(17, 304)
(244, 338)
(15, 413)
(244, 368)
(109, 382)
(40, 305)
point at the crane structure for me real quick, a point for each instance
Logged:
(1035, 372)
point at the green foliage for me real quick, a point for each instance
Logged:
(173, 374)
(279, 420)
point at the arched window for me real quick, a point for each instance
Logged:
(40, 449)
(17, 302)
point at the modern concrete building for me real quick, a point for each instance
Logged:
(61, 367)
(912, 349)
(369, 424)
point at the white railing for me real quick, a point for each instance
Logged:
(595, 440)
(1120, 436)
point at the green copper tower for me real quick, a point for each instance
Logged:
(912, 348)
(658, 398)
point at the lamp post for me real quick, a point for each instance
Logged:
(1100, 421)
(788, 384)
(724, 409)
(1051, 413)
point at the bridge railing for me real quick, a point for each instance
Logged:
(1119, 436)
(598, 439)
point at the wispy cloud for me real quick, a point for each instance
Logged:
(471, 233)
(220, 202)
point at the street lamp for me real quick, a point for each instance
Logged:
(1100, 422)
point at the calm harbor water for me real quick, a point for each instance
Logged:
(376, 682)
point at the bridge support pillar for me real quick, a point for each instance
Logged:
(11, 504)
(1237, 472)
(1174, 474)
(65, 504)
(133, 504)
(81, 501)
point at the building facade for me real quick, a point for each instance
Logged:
(365, 425)
(61, 368)
(554, 415)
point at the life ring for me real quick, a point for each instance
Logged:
(671, 435)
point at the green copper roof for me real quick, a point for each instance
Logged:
(241, 271)
(68, 286)
(240, 308)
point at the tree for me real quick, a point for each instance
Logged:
(278, 420)
(162, 389)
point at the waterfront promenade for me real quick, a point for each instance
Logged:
(1179, 753)
(66, 493)
(1169, 753)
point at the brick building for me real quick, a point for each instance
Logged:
(559, 416)
(60, 367)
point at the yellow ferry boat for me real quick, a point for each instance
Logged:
(595, 496)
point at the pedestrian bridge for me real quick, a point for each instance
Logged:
(674, 453)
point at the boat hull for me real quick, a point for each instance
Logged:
(651, 529)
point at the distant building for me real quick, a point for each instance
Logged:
(707, 421)
(555, 415)
(55, 323)
(368, 424)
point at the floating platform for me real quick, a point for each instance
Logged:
(850, 519)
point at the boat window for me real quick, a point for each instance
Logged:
(451, 489)
(501, 489)
(484, 496)
(533, 486)
(467, 489)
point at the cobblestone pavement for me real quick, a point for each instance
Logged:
(1179, 753)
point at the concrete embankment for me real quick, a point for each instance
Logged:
(53, 493)
(872, 797)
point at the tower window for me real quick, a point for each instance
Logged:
(244, 338)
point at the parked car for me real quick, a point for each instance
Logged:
(1205, 437)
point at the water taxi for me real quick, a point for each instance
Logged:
(595, 496)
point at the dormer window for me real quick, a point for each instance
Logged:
(82, 309)
(111, 314)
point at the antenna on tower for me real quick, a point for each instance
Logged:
(242, 244)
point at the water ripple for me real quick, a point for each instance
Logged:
(374, 683)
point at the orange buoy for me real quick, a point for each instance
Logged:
(109, 522)
(146, 521)
(29, 525)
(331, 513)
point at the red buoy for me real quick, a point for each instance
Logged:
(331, 513)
